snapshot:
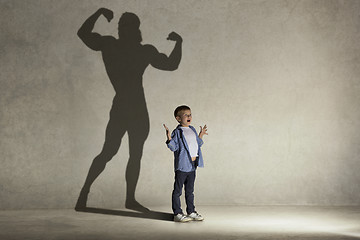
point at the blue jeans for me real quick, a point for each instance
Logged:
(187, 179)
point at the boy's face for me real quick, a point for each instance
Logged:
(184, 118)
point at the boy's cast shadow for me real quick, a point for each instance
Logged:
(125, 61)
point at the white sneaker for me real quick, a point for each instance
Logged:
(195, 216)
(181, 218)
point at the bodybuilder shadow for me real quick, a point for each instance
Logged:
(125, 61)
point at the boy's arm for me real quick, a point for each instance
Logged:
(200, 141)
(203, 131)
(171, 141)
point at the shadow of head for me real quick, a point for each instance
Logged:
(129, 27)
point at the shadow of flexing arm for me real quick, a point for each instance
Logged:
(125, 61)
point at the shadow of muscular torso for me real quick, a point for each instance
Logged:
(125, 66)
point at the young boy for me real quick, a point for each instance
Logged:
(185, 143)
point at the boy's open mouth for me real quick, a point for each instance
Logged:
(188, 120)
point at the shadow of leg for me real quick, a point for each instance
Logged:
(114, 133)
(96, 168)
(136, 144)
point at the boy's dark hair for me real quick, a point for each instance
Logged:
(179, 109)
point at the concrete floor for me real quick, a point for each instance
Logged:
(221, 222)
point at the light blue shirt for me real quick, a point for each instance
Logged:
(182, 158)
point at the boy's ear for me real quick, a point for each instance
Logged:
(178, 118)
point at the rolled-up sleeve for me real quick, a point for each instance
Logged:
(173, 144)
(200, 141)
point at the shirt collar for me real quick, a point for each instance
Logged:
(179, 126)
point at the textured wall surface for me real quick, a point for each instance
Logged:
(277, 83)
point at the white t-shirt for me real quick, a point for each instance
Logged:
(190, 137)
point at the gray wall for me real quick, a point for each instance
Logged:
(277, 83)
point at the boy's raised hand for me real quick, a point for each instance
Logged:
(203, 131)
(168, 134)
